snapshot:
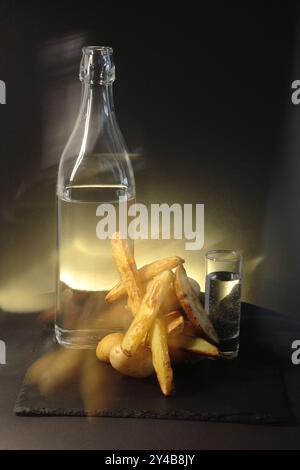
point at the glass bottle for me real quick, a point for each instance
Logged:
(94, 169)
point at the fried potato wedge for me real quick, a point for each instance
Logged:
(147, 272)
(171, 302)
(106, 344)
(195, 345)
(126, 265)
(192, 306)
(175, 322)
(160, 356)
(147, 313)
(139, 365)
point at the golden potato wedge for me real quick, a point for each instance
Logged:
(174, 322)
(195, 345)
(147, 313)
(160, 356)
(192, 306)
(147, 272)
(139, 365)
(106, 344)
(126, 265)
(170, 302)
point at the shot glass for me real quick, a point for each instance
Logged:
(223, 285)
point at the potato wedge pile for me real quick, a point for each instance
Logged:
(169, 321)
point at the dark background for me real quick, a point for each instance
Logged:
(202, 96)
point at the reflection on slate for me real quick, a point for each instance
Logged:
(247, 390)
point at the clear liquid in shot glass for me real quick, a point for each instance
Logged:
(223, 305)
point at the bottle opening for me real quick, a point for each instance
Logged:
(97, 65)
(97, 50)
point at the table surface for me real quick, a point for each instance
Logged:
(20, 332)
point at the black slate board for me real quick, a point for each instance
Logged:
(211, 391)
(250, 389)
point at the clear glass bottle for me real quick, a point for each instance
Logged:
(94, 169)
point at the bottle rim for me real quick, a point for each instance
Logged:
(97, 50)
(223, 255)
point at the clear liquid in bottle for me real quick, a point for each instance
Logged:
(86, 270)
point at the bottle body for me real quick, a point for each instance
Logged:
(94, 171)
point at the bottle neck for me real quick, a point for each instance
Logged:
(97, 101)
